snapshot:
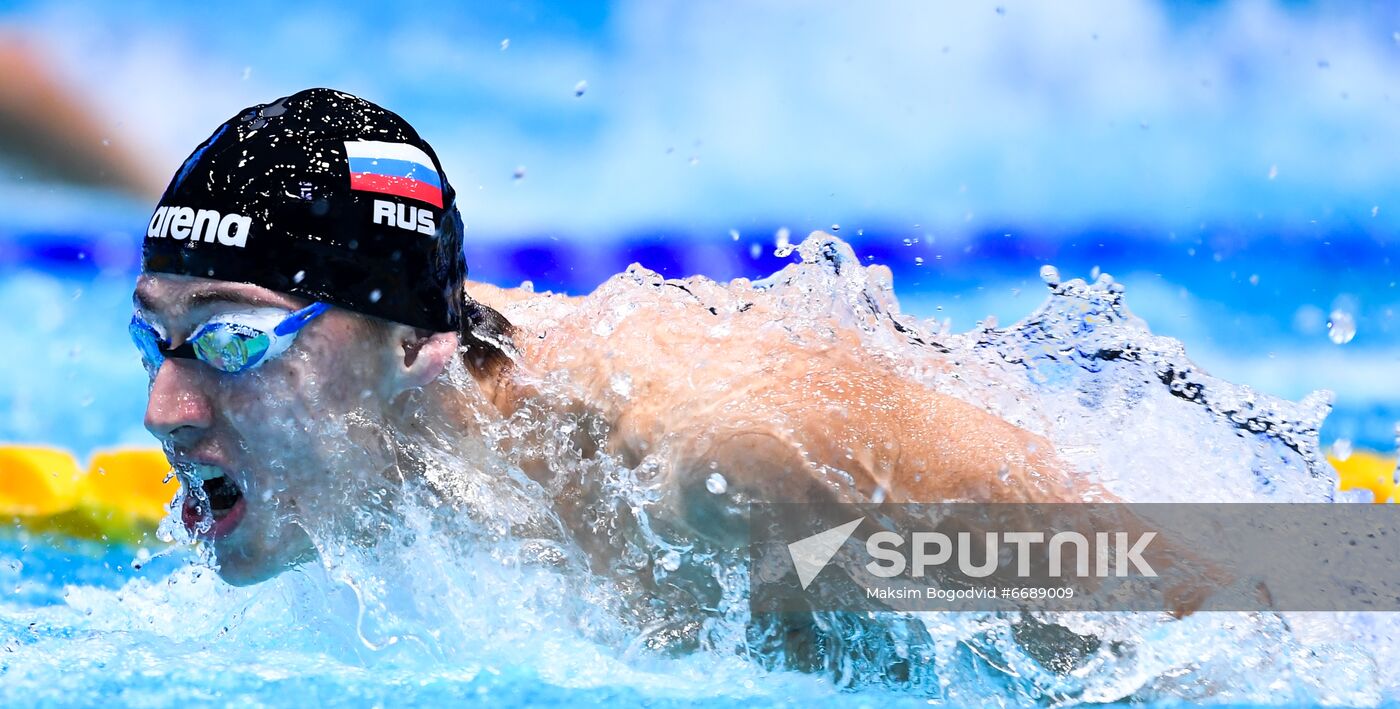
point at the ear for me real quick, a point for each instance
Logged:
(420, 357)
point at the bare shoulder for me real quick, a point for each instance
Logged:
(781, 408)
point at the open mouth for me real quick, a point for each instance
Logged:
(214, 503)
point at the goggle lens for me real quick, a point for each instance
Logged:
(231, 343)
(230, 347)
(147, 342)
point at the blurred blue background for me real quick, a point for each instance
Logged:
(1235, 164)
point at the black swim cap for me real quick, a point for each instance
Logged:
(324, 195)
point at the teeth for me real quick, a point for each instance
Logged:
(206, 472)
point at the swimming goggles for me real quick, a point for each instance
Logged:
(231, 342)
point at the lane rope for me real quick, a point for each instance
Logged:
(122, 494)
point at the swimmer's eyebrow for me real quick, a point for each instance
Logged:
(206, 296)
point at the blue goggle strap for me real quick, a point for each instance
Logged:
(299, 319)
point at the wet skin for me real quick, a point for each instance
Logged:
(774, 416)
(262, 429)
(788, 419)
(770, 411)
(781, 420)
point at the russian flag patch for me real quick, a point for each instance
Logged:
(397, 169)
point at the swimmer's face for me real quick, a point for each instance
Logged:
(281, 451)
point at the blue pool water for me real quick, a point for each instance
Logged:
(1225, 162)
(80, 623)
(1251, 309)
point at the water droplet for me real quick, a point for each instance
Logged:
(716, 484)
(836, 227)
(1050, 275)
(1341, 327)
(247, 72)
(1253, 279)
(671, 560)
(374, 296)
(505, 44)
(1001, 10)
(1354, 496)
(579, 88)
(918, 260)
(734, 234)
(1273, 171)
(519, 172)
(755, 250)
(1341, 449)
(782, 240)
(621, 384)
(1375, 210)
(299, 277)
(106, 141)
(1094, 273)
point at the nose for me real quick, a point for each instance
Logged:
(178, 410)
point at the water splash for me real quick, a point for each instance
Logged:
(1341, 327)
(484, 573)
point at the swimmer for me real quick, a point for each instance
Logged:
(304, 272)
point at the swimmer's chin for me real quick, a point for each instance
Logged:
(241, 567)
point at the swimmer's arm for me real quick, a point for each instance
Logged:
(836, 433)
(843, 425)
(923, 446)
(896, 441)
(951, 450)
(984, 458)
